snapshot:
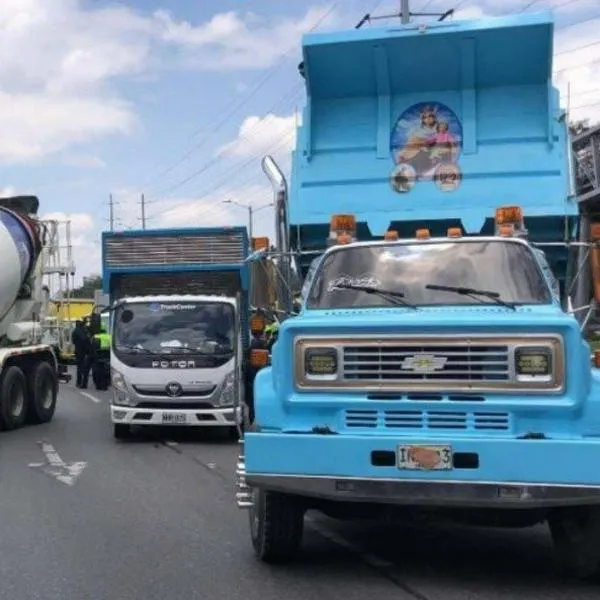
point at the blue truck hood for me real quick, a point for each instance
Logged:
(449, 317)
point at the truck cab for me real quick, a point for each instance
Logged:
(436, 374)
(174, 361)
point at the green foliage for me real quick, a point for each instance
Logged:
(89, 287)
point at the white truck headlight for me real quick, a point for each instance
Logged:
(226, 397)
(121, 395)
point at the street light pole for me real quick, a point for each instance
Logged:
(251, 210)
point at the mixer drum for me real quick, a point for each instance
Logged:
(19, 248)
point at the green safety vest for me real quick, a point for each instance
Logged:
(104, 339)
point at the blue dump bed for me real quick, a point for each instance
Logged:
(436, 126)
(177, 261)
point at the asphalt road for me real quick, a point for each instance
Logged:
(155, 518)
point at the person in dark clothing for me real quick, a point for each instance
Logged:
(258, 342)
(82, 344)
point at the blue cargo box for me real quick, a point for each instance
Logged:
(410, 126)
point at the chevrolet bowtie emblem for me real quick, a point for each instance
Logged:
(424, 363)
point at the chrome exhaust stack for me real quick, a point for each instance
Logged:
(280, 189)
(282, 235)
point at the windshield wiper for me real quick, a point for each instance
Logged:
(393, 297)
(137, 349)
(466, 291)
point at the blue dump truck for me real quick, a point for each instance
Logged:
(179, 327)
(433, 366)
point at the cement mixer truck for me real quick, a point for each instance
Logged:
(28, 368)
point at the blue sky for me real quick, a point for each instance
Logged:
(137, 96)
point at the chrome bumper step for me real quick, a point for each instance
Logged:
(243, 493)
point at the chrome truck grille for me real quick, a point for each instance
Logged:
(397, 362)
(428, 363)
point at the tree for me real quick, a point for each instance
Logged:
(89, 287)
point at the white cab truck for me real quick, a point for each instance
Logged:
(179, 325)
(29, 370)
(174, 361)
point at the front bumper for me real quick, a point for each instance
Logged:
(507, 473)
(212, 417)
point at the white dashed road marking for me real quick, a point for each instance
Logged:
(90, 397)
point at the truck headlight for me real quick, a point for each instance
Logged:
(534, 363)
(227, 391)
(118, 381)
(121, 395)
(321, 363)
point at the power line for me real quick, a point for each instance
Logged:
(240, 103)
(529, 5)
(217, 159)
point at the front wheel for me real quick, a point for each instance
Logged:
(576, 536)
(276, 526)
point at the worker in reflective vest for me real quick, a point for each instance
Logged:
(101, 360)
(102, 340)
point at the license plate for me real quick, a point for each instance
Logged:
(174, 418)
(425, 458)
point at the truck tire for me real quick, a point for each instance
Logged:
(42, 392)
(276, 526)
(122, 431)
(13, 398)
(576, 536)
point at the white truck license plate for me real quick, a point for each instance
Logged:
(174, 418)
(425, 458)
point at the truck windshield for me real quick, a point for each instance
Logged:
(175, 328)
(502, 267)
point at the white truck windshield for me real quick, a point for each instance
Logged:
(205, 328)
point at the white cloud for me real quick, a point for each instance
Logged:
(55, 62)
(8, 191)
(234, 41)
(260, 135)
(81, 223)
(60, 62)
(34, 125)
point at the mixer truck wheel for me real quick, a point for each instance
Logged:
(43, 391)
(276, 525)
(13, 398)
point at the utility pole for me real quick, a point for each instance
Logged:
(250, 221)
(111, 212)
(143, 203)
(405, 11)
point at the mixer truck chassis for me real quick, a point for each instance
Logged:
(28, 385)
